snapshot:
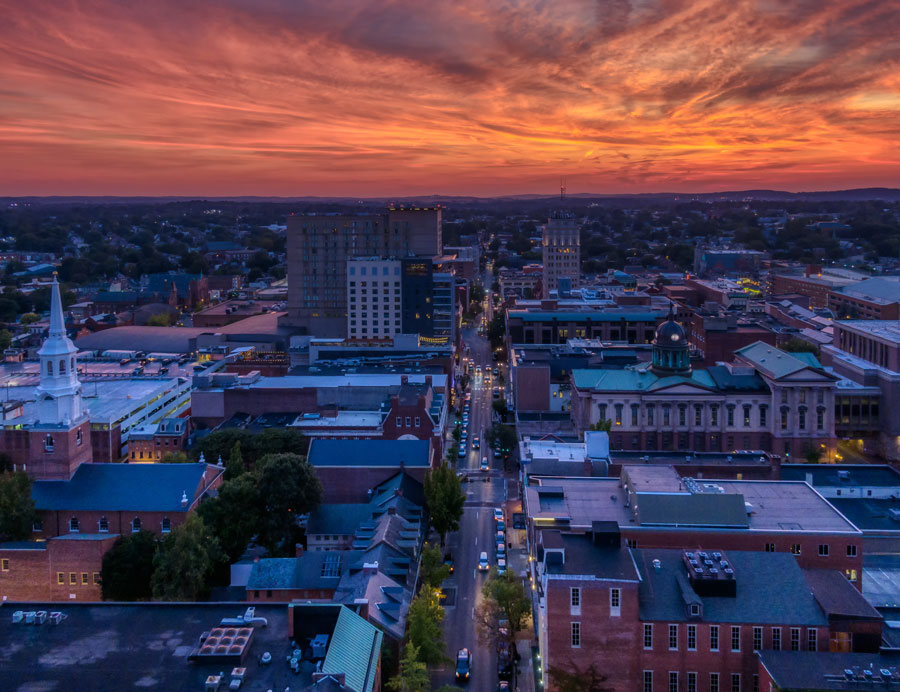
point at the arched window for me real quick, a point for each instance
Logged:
(49, 367)
(135, 525)
(166, 525)
(62, 367)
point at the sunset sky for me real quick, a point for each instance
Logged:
(343, 97)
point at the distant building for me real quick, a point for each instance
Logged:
(871, 299)
(374, 304)
(561, 247)
(727, 262)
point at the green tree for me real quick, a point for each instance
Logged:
(289, 487)
(501, 408)
(175, 458)
(795, 345)
(161, 319)
(813, 455)
(236, 515)
(573, 679)
(502, 438)
(424, 621)
(432, 570)
(221, 442)
(601, 426)
(30, 318)
(17, 513)
(235, 465)
(279, 441)
(5, 339)
(444, 499)
(128, 568)
(507, 591)
(413, 674)
(185, 562)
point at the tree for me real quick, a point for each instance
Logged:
(17, 513)
(175, 458)
(502, 438)
(424, 621)
(812, 454)
(501, 408)
(236, 515)
(432, 570)
(444, 499)
(161, 319)
(573, 679)
(601, 426)
(253, 445)
(487, 623)
(795, 345)
(413, 674)
(235, 465)
(507, 591)
(279, 441)
(128, 568)
(29, 318)
(185, 562)
(289, 487)
(5, 339)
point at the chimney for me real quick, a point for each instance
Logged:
(298, 550)
(428, 380)
(362, 605)
(370, 568)
(404, 379)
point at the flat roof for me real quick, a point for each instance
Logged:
(870, 515)
(561, 451)
(113, 647)
(343, 419)
(353, 379)
(889, 330)
(775, 506)
(796, 671)
(843, 475)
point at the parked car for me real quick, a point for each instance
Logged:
(462, 451)
(463, 664)
(501, 565)
(476, 443)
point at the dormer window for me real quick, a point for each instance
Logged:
(695, 611)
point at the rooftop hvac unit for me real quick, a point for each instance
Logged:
(892, 513)
(18, 616)
(29, 617)
(844, 475)
(40, 617)
(56, 617)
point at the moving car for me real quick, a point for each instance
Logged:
(483, 564)
(498, 514)
(484, 464)
(463, 664)
(476, 443)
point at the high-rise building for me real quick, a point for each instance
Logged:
(318, 248)
(561, 251)
(373, 298)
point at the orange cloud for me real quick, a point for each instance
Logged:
(284, 97)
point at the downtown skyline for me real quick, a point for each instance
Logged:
(469, 98)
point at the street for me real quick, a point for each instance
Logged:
(484, 492)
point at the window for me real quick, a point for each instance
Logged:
(695, 610)
(714, 412)
(795, 548)
(84, 579)
(713, 682)
(757, 638)
(776, 639)
(812, 637)
(770, 547)
(746, 415)
(692, 682)
(73, 525)
(666, 414)
(135, 525)
(634, 415)
(682, 415)
(166, 525)
(762, 416)
(755, 683)
(418, 421)
(49, 367)
(37, 526)
(820, 420)
(648, 637)
(60, 577)
(96, 578)
(735, 638)
(730, 422)
(576, 635)
(73, 578)
(735, 682)
(673, 637)
(4, 565)
(650, 409)
(575, 601)
(408, 422)
(713, 637)
(615, 602)
(784, 419)
(850, 574)
(851, 551)
(698, 415)
(673, 681)
(795, 639)
(103, 525)
(399, 422)
(692, 637)
(48, 443)
(648, 681)
(823, 550)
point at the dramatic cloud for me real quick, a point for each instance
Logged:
(304, 97)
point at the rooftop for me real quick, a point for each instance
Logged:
(120, 647)
(796, 671)
(880, 289)
(843, 475)
(888, 330)
(759, 599)
(872, 516)
(126, 487)
(771, 505)
(370, 453)
(774, 362)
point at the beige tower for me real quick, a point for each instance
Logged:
(562, 251)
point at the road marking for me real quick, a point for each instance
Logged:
(476, 516)
(474, 573)
(473, 612)
(476, 537)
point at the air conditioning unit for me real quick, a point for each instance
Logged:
(56, 617)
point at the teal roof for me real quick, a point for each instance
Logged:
(362, 453)
(122, 487)
(598, 316)
(774, 361)
(633, 380)
(354, 650)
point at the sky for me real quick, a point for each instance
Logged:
(455, 97)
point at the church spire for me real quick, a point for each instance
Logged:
(59, 393)
(57, 321)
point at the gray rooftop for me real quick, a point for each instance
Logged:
(793, 671)
(853, 476)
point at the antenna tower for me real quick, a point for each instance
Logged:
(562, 189)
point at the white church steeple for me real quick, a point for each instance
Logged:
(59, 393)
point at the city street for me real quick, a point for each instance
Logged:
(484, 492)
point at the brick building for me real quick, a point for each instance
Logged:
(658, 619)
(153, 441)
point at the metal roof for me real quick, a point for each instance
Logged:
(369, 453)
(354, 650)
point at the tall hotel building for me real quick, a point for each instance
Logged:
(562, 251)
(319, 248)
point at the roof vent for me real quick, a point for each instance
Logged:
(657, 565)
